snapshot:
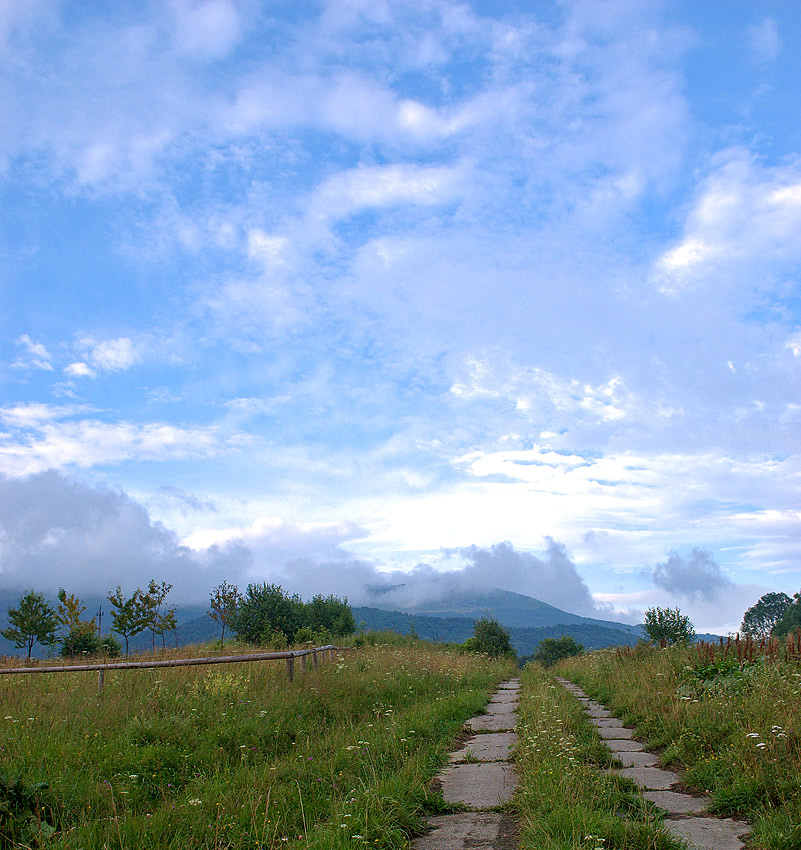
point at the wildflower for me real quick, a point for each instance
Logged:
(194, 802)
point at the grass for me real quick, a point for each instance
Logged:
(565, 800)
(235, 756)
(732, 726)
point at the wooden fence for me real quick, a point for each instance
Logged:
(318, 653)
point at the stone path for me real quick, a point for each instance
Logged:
(686, 815)
(481, 777)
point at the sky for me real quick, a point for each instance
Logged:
(363, 294)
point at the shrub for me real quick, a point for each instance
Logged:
(668, 626)
(551, 650)
(490, 637)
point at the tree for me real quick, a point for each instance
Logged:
(330, 614)
(81, 635)
(668, 625)
(267, 614)
(223, 604)
(152, 602)
(491, 637)
(760, 618)
(551, 650)
(34, 620)
(790, 620)
(166, 622)
(131, 615)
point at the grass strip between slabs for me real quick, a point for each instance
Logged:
(564, 800)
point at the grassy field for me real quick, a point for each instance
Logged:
(565, 801)
(234, 756)
(731, 723)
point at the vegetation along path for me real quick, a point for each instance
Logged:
(686, 815)
(481, 778)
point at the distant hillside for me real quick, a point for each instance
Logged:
(458, 629)
(511, 609)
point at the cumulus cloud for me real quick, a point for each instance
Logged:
(692, 575)
(744, 212)
(56, 531)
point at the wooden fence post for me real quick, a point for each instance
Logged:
(315, 659)
(290, 668)
(101, 676)
(303, 663)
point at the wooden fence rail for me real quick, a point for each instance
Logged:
(317, 652)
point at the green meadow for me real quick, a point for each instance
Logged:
(234, 756)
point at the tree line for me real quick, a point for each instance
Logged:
(265, 614)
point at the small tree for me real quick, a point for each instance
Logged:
(668, 625)
(33, 621)
(491, 637)
(81, 635)
(224, 601)
(152, 601)
(131, 615)
(551, 650)
(760, 618)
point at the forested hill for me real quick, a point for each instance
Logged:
(458, 629)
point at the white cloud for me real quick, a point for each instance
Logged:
(745, 216)
(375, 187)
(42, 442)
(38, 357)
(78, 370)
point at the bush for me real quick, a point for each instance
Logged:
(551, 650)
(88, 642)
(490, 637)
(667, 626)
(268, 615)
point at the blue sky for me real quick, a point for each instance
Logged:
(352, 294)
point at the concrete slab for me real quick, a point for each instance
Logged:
(610, 733)
(638, 759)
(468, 830)
(675, 803)
(652, 778)
(607, 722)
(510, 685)
(709, 833)
(507, 696)
(624, 745)
(479, 786)
(492, 746)
(505, 722)
(599, 712)
(500, 707)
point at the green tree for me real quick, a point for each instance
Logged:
(760, 618)
(491, 637)
(80, 635)
(667, 626)
(268, 614)
(130, 615)
(223, 604)
(551, 650)
(32, 621)
(152, 600)
(329, 614)
(790, 620)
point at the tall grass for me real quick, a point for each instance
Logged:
(730, 722)
(565, 800)
(236, 757)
